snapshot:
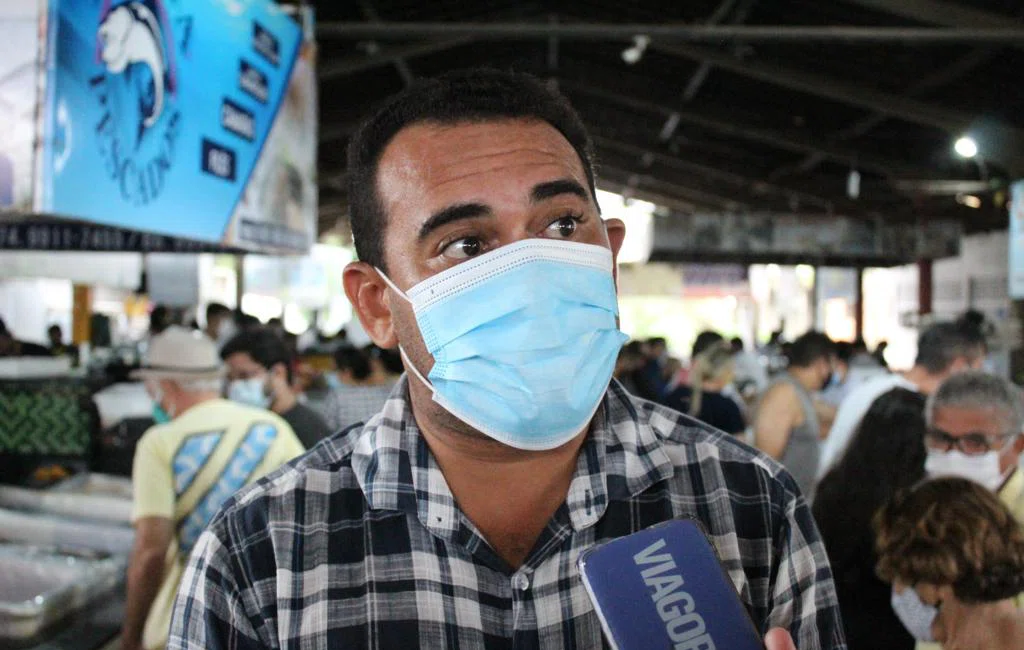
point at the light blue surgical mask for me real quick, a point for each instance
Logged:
(524, 339)
(249, 391)
(917, 616)
(332, 380)
(160, 416)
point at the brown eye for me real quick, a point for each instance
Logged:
(565, 227)
(464, 248)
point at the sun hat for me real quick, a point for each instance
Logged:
(181, 354)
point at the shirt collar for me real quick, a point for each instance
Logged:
(622, 457)
(1012, 492)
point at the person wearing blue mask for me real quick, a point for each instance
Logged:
(455, 516)
(200, 452)
(259, 373)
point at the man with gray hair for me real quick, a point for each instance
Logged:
(202, 450)
(976, 431)
(943, 350)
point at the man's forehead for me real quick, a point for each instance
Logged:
(967, 419)
(433, 154)
(241, 358)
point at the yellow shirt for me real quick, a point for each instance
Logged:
(1012, 495)
(185, 469)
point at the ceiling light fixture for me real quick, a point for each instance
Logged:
(632, 55)
(966, 147)
(853, 184)
(969, 200)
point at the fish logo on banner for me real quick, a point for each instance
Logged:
(139, 129)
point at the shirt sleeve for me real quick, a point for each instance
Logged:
(804, 597)
(152, 483)
(210, 612)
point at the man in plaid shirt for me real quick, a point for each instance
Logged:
(454, 518)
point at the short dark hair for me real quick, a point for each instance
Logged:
(844, 351)
(263, 345)
(942, 344)
(54, 328)
(457, 97)
(353, 359)
(705, 341)
(216, 310)
(809, 348)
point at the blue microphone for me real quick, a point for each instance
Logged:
(664, 588)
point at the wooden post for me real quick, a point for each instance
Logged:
(81, 312)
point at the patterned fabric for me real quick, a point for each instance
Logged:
(191, 457)
(46, 417)
(360, 543)
(349, 405)
(237, 472)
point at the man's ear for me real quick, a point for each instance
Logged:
(616, 229)
(365, 290)
(280, 371)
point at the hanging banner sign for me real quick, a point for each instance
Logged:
(20, 25)
(58, 235)
(1017, 240)
(194, 120)
(801, 238)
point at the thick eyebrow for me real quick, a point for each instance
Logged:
(552, 189)
(453, 213)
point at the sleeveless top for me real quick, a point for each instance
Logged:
(801, 454)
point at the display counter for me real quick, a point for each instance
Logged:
(95, 628)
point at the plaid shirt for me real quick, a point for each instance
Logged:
(360, 544)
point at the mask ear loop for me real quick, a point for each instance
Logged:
(409, 365)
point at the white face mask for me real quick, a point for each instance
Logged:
(982, 469)
(915, 615)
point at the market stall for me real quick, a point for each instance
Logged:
(141, 130)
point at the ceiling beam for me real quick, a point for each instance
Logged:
(864, 126)
(388, 55)
(670, 32)
(700, 76)
(939, 12)
(753, 185)
(686, 192)
(889, 104)
(370, 14)
(770, 138)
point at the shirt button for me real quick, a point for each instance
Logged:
(521, 582)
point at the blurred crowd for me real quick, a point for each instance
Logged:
(914, 476)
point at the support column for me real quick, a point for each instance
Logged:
(81, 312)
(239, 280)
(924, 287)
(815, 296)
(858, 303)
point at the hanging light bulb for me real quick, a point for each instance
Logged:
(853, 184)
(966, 147)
